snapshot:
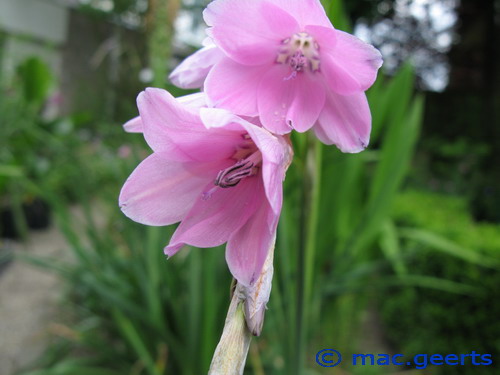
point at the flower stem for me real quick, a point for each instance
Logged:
(313, 217)
(305, 268)
(160, 25)
(244, 320)
(231, 352)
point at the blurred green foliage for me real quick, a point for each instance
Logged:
(36, 80)
(448, 216)
(42, 150)
(26, 143)
(423, 320)
(20, 133)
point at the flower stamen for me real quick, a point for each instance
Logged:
(234, 174)
(300, 52)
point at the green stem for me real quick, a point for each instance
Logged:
(299, 323)
(161, 19)
(305, 268)
(313, 217)
(209, 316)
(195, 311)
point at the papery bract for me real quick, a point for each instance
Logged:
(284, 62)
(219, 175)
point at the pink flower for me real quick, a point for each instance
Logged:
(284, 62)
(217, 174)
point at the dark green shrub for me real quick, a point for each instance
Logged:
(423, 320)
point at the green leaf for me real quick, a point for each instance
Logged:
(136, 341)
(335, 10)
(431, 283)
(389, 243)
(394, 162)
(446, 246)
(36, 80)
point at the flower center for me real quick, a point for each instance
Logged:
(249, 160)
(301, 52)
(232, 176)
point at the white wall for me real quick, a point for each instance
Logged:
(34, 28)
(43, 19)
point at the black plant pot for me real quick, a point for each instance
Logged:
(36, 214)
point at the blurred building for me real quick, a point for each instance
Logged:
(93, 56)
(33, 27)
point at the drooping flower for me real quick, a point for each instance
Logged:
(284, 62)
(219, 175)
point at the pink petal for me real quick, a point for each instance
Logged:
(222, 118)
(247, 248)
(306, 12)
(193, 101)
(275, 156)
(161, 192)
(269, 144)
(191, 73)
(234, 86)
(326, 37)
(178, 133)
(273, 176)
(163, 116)
(275, 151)
(287, 103)
(134, 125)
(351, 66)
(210, 222)
(249, 32)
(345, 122)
